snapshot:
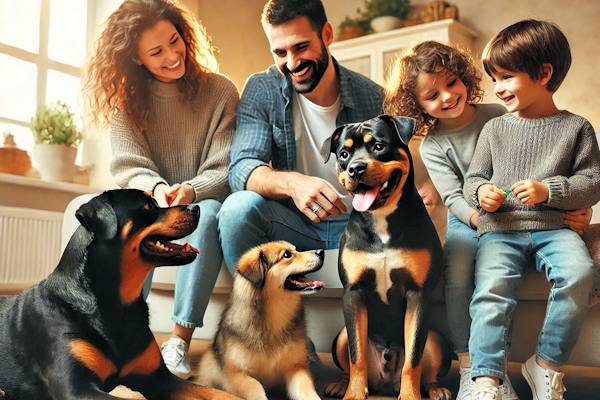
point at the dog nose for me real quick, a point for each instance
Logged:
(194, 210)
(320, 253)
(357, 168)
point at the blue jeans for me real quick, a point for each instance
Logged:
(247, 219)
(195, 281)
(502, 258)
(460, 249)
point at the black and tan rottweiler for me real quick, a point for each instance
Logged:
(389, 262)
(84, 329)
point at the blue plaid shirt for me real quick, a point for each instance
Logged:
(265, 129)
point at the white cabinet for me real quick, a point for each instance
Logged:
(372, 54)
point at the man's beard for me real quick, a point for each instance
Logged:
(318, 69)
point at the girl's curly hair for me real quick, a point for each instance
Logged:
(428, 57)
(115, 82)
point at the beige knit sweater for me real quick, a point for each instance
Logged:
(184, 142)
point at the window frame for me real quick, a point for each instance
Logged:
(41, 59)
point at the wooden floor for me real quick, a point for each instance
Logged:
(582, 383)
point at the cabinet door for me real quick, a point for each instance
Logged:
(361, 64)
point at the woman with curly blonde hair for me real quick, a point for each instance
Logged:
(171, 123)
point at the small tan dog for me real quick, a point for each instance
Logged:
(261, 340)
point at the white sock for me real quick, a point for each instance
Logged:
(487, 381)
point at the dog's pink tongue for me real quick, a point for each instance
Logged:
(363, 200)
(310, 282)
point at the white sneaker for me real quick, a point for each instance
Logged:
(485, 391)
(508, 392)
(545, 384)
(175, 354)
(465, 389)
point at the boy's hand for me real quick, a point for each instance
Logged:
(530, 191)
(578, 220)
(490, 197)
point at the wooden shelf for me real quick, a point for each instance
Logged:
(26, 192)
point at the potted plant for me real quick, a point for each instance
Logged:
(386, 14)
(56, 138)
(352, 27)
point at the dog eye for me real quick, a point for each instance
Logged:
(343, 155)
(379, 146)
(287, 254)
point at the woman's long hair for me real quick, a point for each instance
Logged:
(115, 82)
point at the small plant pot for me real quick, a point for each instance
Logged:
(385, 23)
(350, 32)
(56, 162)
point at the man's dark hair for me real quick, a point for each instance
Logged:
(277, 12)
(525, 47)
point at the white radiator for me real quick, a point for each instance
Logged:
(29, 246)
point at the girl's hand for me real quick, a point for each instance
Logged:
(179, 194)
(578, 220)
(490, 197)
(474, 220)
(530, 191)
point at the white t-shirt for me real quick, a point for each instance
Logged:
(313, 126)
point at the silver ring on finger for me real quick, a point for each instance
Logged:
(316, 208)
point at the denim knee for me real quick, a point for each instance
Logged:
(238, 210)
(237, 207)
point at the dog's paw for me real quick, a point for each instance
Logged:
(440, 393)
(356, 395)
(336, 389)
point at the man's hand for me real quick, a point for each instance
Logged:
(490, 197)
(530, 191)
(316, 197)
(578, 220)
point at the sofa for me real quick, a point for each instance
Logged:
(324, 313)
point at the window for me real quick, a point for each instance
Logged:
(42, 52)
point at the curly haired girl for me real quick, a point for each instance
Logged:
(439, 86)
(171, 120)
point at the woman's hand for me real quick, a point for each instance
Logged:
(578, 220)
(180, 194)
(160, 194)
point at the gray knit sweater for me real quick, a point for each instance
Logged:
(184, 142)
(560, 150)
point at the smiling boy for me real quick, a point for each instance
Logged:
(551, 162)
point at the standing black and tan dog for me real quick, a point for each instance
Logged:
(261, 340)
(84, 329)
(389, 261)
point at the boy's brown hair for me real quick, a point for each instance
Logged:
(427, 57)
(526, 46)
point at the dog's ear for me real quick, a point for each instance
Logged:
(252, 266)
(334, 140)
(405, 126)
(98, 217)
